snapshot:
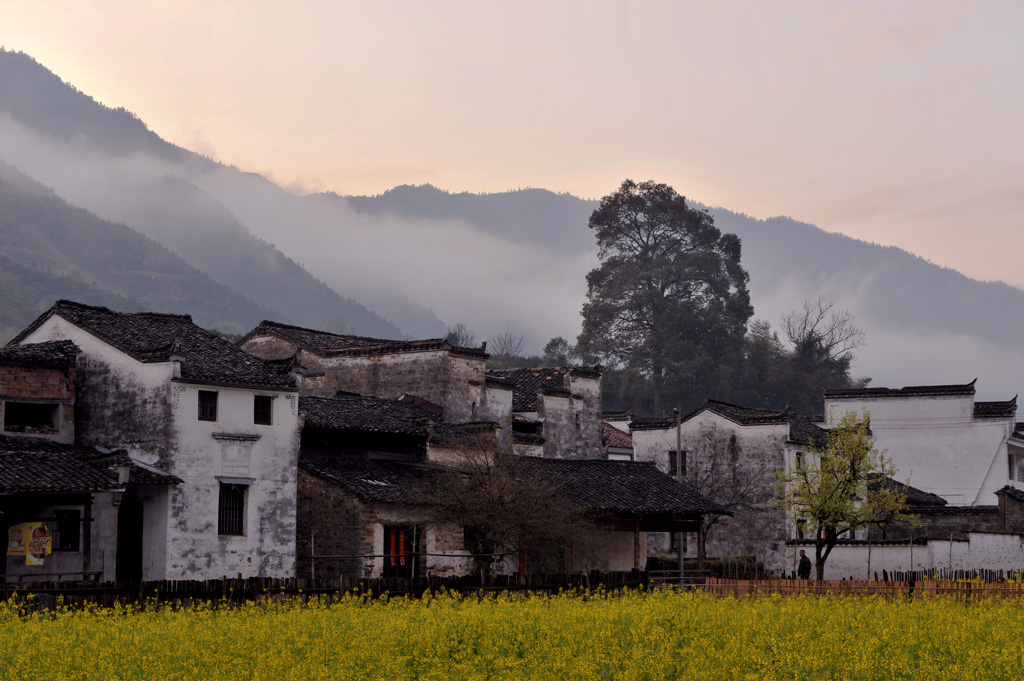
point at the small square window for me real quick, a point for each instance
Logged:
(207, 405)
(263, 410)
(231, 509)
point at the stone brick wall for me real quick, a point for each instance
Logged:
(1011, 512)
(45, 385)
(940, 523)
(337, 524)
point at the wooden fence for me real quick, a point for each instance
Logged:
(957, 590)
(184, 593)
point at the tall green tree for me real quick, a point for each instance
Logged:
(840, 487)
(669, 302)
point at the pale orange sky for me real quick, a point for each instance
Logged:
(895, 122)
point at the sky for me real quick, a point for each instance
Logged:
(894, 122)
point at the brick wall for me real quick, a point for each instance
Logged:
(940, 522)
(42, 385)
(343, 525)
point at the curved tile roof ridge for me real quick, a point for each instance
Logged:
(906, 391)
(328, 342)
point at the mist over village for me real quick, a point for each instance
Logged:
(511, 341)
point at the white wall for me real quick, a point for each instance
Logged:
(142, 408)
(936, 444)
(980, 551)
(233, 448)
(607, 551)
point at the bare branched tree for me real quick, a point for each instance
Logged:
(506, 346)
(821, 334)
(460, 336)
(502, 503)
(738, 483)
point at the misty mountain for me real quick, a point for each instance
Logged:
(535, 216)
(107, 161)
(52, 250)
(28, 291)
(925, 323)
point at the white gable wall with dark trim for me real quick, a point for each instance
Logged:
(141, 407)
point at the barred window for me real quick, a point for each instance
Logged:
(207, 405)
(231, 510)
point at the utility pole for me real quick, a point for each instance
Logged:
(680, 550)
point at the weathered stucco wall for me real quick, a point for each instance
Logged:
(233, 449)
(345, 526)
(936, 444)
(978, 551)
(733, 465)
(607, 551)
(120, 402)
(123, 403)
(572, 425)
(269, 347)
(337, 524)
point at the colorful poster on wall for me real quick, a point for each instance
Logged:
(38, 544)
(17, 539)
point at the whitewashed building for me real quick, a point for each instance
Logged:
(184, 402)
(940, 439)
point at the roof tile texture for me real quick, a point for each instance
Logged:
(154, 337)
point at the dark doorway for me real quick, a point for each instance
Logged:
(129, 541)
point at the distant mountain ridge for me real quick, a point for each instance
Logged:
(143, 181)
(49, 246)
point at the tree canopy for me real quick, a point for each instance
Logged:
(669, 301)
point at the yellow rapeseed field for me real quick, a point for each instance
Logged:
(638, 635)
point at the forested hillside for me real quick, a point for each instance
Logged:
(108, 162)
(53, 249)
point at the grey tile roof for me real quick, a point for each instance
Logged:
(461, 434)
(989, 410)
(621, 486)
(60, 353)
(745, 416)
(348, 411)
(528, 383)
(594, 485)
(384, 481)
(915, 496)
(1012, 492)
(908, 391)
(42, 466)
(154, 337)
(139, 472)
(803, 432)
(327, 343)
